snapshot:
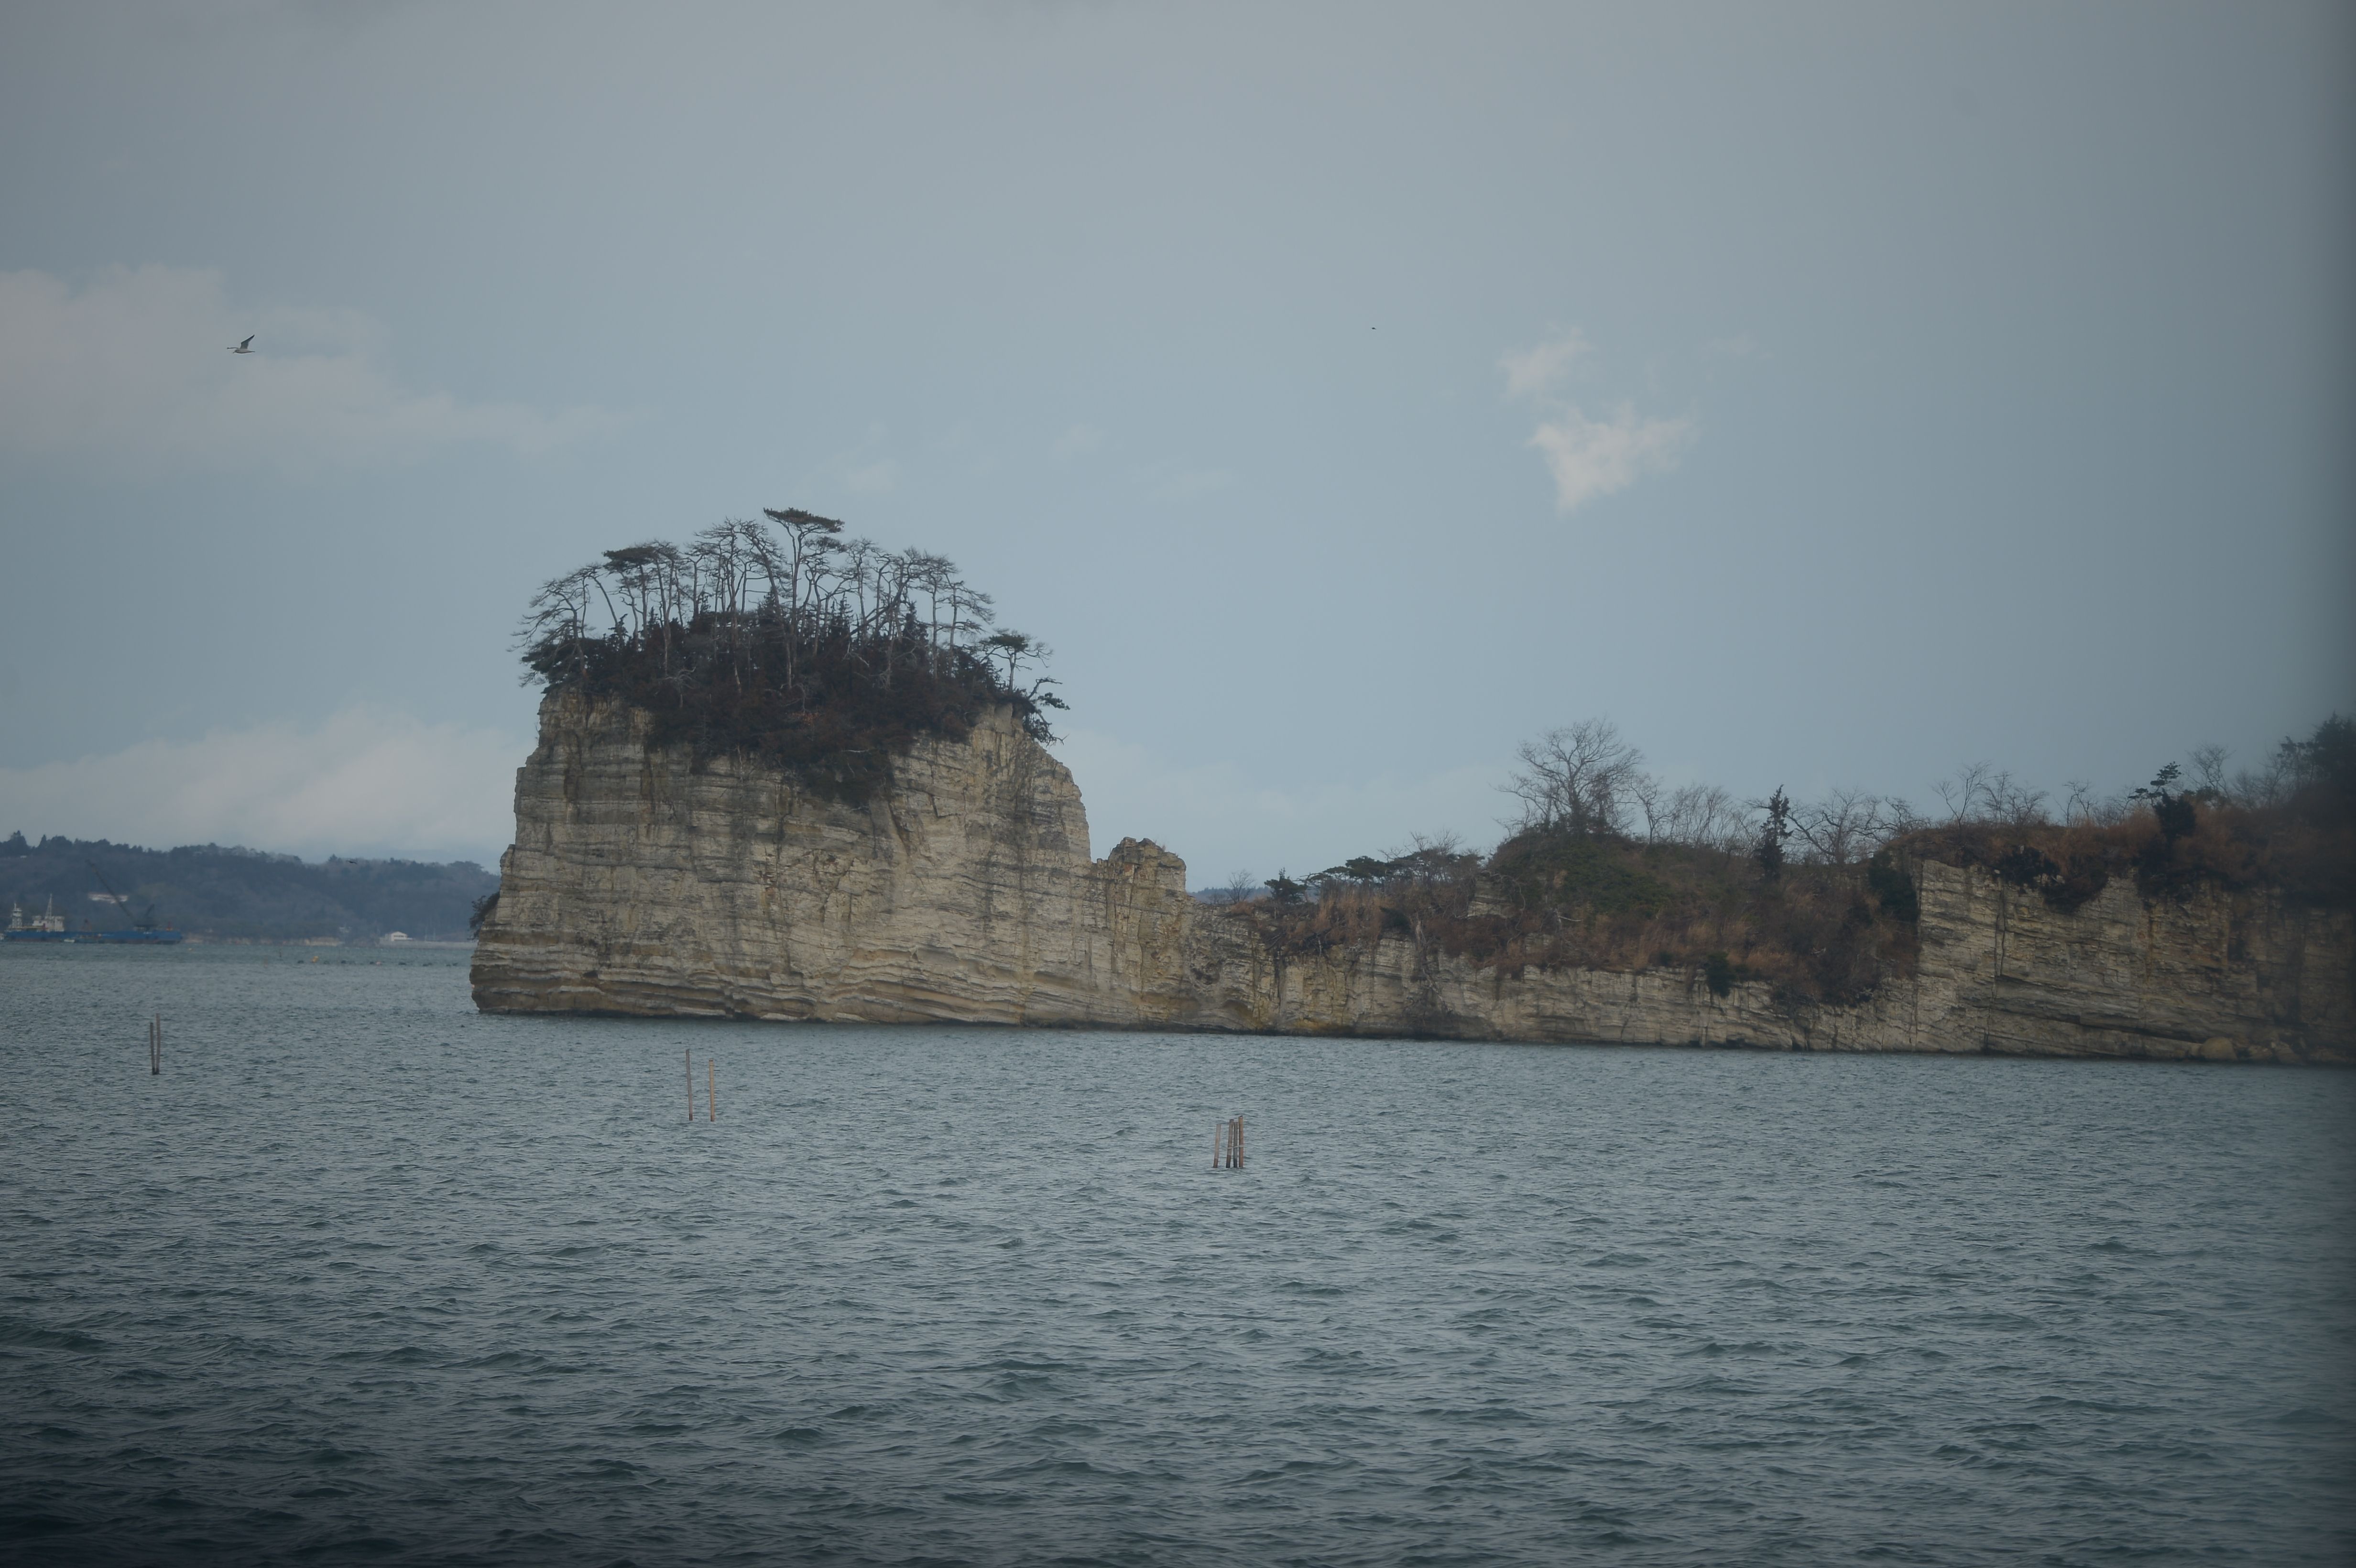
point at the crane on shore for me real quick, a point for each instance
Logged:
(138, 923)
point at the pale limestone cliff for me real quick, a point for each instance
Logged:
(638, 883)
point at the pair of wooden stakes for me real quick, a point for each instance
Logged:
(1228, 1144)
(711, 1088)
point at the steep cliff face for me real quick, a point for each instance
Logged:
(2213, 978)
(640, 884)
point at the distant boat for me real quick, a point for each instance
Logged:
(50, 926)
(46, 927)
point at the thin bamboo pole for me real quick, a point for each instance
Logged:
(689, 1055)
(1239, 1143)
(710, 1093)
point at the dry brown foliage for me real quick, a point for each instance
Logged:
(1553, 897)
(2307, 854)
(1560, 900)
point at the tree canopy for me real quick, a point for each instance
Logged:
(779, 637)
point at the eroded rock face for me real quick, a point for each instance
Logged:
(639, 884)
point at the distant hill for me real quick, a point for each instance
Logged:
(235, 894)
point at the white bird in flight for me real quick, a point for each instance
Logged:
(246, 347)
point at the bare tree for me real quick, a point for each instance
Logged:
(2014, 803)
(970, 612)
(2209, 769)
(555, 630)
(1962, 794)
(857, 575)
(1647, 793)
(2269, 785)
(1577, 779)
(1847, 826)
(1430, 862)
(1704, 816)
(1982, 792)
(931, 576)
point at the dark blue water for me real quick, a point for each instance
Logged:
(365, 1276)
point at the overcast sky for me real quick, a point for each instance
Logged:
(1829, 394)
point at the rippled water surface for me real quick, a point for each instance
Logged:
(365, 1275)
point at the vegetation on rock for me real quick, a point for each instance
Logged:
(780, 639)
(2289, 827)
(1609, 869)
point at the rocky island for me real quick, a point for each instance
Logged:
(882, 836)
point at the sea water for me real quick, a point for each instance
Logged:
(365, 1275)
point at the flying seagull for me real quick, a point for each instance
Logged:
(246, 347)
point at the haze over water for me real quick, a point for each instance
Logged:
(366, 1276)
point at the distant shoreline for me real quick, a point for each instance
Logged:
(199, 939)
(236, 896)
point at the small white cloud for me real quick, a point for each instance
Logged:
(1741, 345)
(368, 781)
(135, 366)
(1588, 457)
(1530, 372)
(1596, 457)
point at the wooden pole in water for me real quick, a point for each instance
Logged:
(1239, 1143)
(710, 1093)
(689, 1055)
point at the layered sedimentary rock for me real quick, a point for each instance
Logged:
(641, 882)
